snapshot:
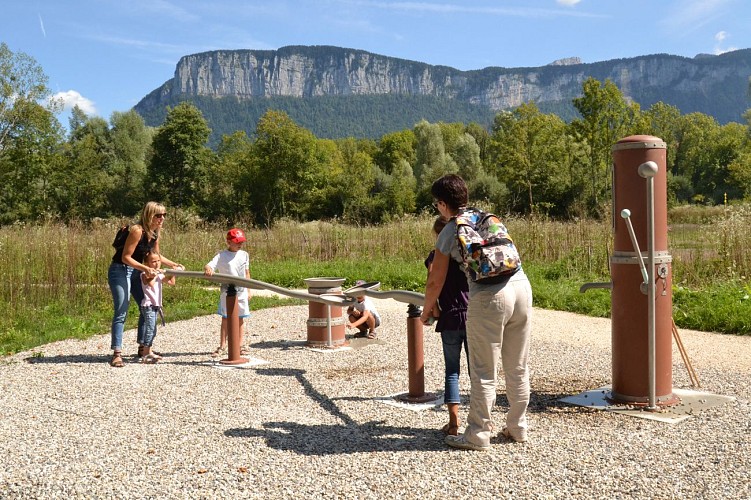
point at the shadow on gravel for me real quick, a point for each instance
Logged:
(347, 437)
(103, 358)
(69, 359)
(343, 439)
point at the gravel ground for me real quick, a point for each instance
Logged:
(309, 424)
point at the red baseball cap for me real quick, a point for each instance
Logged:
(235, 235)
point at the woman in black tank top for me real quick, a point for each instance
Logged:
(127, 265)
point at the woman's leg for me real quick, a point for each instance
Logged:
(118, 277)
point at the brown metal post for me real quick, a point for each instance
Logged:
(233, 330)
(630, 306)
(415, 359)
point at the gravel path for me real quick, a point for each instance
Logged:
(308, 424)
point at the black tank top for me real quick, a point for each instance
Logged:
(143, 247)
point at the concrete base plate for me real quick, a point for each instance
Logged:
(691, 402)
(394, 400)
(330, 349)
(250, 364)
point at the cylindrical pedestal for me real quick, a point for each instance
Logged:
(233, 330)
(630, 305)
(325, 322)
(415, 359)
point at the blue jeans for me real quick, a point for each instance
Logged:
(453, 340)
(124, 281)
(148, 319)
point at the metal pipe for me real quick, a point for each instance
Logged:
(626, 214)
(334, 300)
(329, 343)
(648, 171)
(589, 286)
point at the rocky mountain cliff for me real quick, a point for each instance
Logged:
(714, 85)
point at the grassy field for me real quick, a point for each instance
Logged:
(54, 282)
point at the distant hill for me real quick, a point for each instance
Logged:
(339, 92)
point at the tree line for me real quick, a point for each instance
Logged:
(528, 162)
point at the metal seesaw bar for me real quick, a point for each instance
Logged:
(227, 279)
(369, 290)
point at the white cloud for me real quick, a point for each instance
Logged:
(568, 3)
(71, 98)
(720, 37)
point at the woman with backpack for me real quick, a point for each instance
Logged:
(499, 316)
(132, 243)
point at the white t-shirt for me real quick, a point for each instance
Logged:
(232, 263)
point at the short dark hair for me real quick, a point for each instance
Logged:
(452, 190)
(438, 224)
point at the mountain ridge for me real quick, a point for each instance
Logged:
(715, 85)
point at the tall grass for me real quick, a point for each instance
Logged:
(54, 277)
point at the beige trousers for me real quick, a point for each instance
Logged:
(498, 326)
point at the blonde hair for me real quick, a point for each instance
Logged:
(147, 217)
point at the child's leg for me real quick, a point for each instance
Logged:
(241, 325)
(370, 321)
(223, 334)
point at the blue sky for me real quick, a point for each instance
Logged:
(105, 55)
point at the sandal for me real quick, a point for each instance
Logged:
(372, 334)
(450, 430)
(244, 350)
(149, 359)
(219, 351)
(117, 360)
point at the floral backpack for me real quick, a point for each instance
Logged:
(488, 253)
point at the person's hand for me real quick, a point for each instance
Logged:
(208, 271)
(426, 318)
(178, 267)
(150, 272)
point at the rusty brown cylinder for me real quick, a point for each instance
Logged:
(233, 330)
(630, 306)
(415, 355)
(322, 316)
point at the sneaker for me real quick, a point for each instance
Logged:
(462, 443)
(507, 434)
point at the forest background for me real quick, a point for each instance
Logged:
(549, 178)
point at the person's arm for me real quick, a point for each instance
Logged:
(433, 287)
(170, 281)
(148, 280)
(363, 318)
(435, 311)
(209, 268)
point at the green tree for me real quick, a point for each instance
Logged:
(431, 159)
(534, 152)
(30, 138)
(83, 183)
(131, 143)
(224, 191)
(289, 169)
(180, 157)
(606, 118)
(394, 147)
